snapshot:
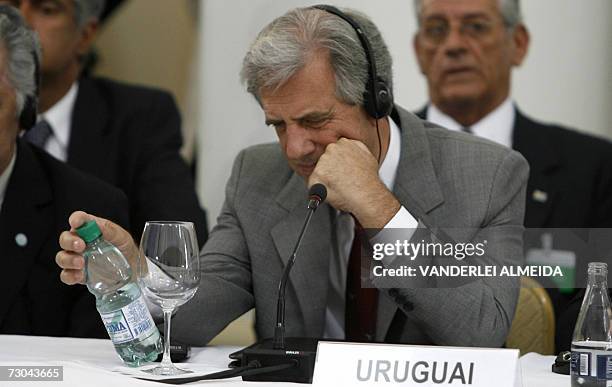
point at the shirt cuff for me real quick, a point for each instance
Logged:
(402, 219)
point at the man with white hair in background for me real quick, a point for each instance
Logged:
(37, 192)
(127, 135)
(467, 50)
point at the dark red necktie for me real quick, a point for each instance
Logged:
(361, 303)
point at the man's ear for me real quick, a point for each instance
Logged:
(520, 39)
(88, 35)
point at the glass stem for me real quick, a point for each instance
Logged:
(166, 361)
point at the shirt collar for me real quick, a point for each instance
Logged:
(388, 168)
(5, 176)
(496, 126)
(59, 115)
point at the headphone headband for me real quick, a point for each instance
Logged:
(378, 100)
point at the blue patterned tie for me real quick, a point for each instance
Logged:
(39, 134)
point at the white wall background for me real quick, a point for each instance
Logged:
(566, 78)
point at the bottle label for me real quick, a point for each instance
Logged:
(592, 364)
(131, 322)
(581, 363)
(604, 367)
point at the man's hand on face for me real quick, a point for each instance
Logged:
(70, 258)
(350, 172)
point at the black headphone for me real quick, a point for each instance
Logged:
(27, 118)
(377, 96)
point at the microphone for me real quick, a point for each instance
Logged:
(316, 196)
(303, 350)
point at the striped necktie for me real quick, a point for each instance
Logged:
(39, 134)
(466, 129)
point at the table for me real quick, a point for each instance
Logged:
(93, 362)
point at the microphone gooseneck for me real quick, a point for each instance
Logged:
(316, 196)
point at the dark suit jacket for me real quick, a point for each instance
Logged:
(41, 194)
(575, 170)
(130, 137)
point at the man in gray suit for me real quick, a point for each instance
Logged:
(308, 70)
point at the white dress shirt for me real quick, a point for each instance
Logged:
(5, 176)
(334, 313)
(59, 117)
(496, 126)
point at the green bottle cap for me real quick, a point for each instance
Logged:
(89, 231)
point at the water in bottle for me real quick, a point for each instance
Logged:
(591, 363)
(118, 299)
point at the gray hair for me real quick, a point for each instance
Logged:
(510, 12)
(23, 54)
(288, 43)
(87, 10)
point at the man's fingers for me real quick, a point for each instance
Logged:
(68, 260)
(78, 218)
(72, 277)
(71, 242)
(112, 232)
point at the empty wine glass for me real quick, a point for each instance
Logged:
(169, 275)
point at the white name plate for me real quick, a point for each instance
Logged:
(343, 364)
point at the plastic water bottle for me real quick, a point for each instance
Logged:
(118, 299)
(591, 363)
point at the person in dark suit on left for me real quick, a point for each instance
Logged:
(127, 135)
(35, 203)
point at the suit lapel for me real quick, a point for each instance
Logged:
(26, 213)
(416, 187)
(544, 161)
(86, 150)
(416, 184)
(309, 277)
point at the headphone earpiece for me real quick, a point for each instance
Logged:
(383, 104)
(27, 119)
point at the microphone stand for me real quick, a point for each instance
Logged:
(279, 330)
(299, 352)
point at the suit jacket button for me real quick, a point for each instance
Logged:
(21, 239)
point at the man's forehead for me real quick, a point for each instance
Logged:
(459, 8)
(312, 88)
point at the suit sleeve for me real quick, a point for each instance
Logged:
(225, 291)
(165, 188)
(478, 313)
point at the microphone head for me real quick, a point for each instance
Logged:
(317, 192)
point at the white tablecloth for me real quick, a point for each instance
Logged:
(91, 362)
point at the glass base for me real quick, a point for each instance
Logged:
(167, 370)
